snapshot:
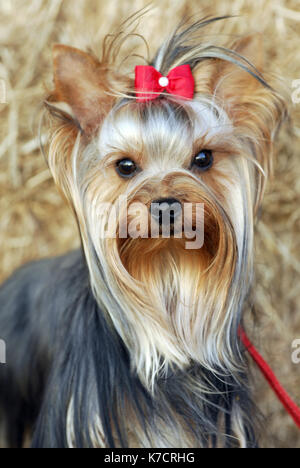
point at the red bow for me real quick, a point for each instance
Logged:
(150, 83)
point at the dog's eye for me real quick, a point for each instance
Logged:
(126, 168)
(203, 160)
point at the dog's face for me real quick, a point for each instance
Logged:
(168, 160)
(172, 285)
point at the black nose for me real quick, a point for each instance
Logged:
(165, 210)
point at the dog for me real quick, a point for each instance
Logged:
(133, 340)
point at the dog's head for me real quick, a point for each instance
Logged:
(165, 192)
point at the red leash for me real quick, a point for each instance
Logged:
(283, 396)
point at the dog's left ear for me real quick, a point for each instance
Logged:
(251, 95)
(242, 86)
(81, 85)
(236, 87)
(250, 100)
(251, 47)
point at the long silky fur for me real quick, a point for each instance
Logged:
(86, 365)
(120, 369)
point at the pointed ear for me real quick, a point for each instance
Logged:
(251, 102)
(235, 85)
(252, 48)
(81, 82)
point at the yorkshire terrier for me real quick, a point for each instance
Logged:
(133, 341)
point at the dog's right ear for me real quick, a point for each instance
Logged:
(81, 86)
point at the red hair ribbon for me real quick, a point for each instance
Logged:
(288, 403)
(150, 83)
